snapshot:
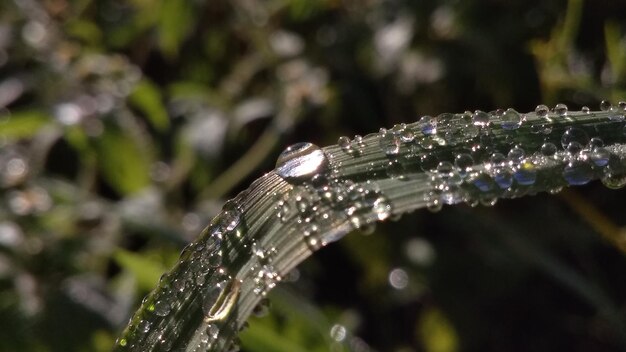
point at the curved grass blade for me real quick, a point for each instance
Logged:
(316, 196)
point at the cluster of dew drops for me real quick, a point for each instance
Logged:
(201, 270)
(325, 206)
(482, 160)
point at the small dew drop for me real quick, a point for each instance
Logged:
(542, 110)
(616, 113)
(344, 143)
(382, 208)
(585, 109)
(407, 136)
(574, 134)
(389, 142)
(516, 154)
(605, 105)
(561, 109)
(300, 162)
(428, 125)
(526, 173)
(463, 162)
(548, 149)
(144, 326)
(162, 308)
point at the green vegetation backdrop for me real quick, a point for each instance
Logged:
(125, 125)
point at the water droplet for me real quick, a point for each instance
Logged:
(407, 136)
(616, 113)
(561, 110)
(577, 173)
(463, 162)
(614, 181)
(428, 125)
(596, 142)
(382, 208)
(488, 201)
(600, 156)
(389, 142)
(516, 154)
(300, 162)
(344, 143)
(574, 134)
(574, 148)
(525, 174)
(548, 149)
(542, 110)
(162, 307)
(212, 331)
(480, 118)
(358, 144)
(585, 109)
(428, 161)
(144, 326)
(605, 105)
(230, 217)
(219, 300)
(481, 181)
(510, 120)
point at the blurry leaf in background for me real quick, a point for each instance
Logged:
(125, 167)
(147, 98)
(145, 269)
(436, 333)
(22, 124)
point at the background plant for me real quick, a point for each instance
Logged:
(126, 125)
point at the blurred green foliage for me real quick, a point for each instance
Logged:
(124, 125)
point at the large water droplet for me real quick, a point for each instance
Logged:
(300, 162)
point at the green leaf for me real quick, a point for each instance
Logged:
(123, 164)
(148, 99)
(263, 338)
(436, 333)
(23, 124)
(146, 270)
(176, 20)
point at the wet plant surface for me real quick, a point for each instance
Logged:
(126, 127)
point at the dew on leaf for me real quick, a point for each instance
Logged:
(300, 162)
